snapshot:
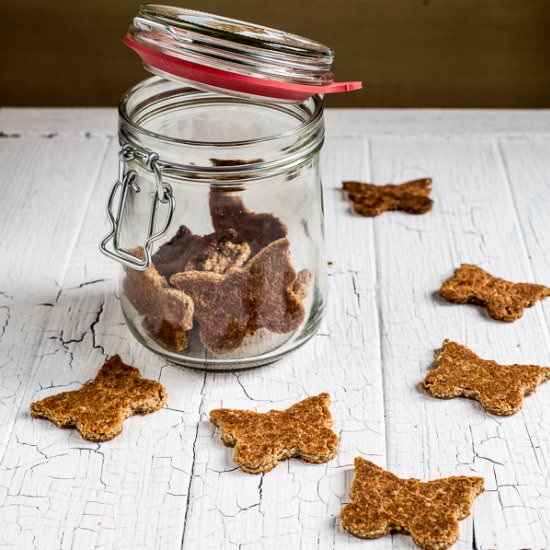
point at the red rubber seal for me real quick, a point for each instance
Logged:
(233, 81)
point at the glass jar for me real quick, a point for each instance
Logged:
(217, 213)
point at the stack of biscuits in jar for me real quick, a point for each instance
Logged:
(227, 285)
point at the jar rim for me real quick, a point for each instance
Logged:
(303, 128)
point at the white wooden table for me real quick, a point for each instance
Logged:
(167, 482)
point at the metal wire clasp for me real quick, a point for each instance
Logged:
(127, 180)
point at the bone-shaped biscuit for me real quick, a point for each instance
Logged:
(168, 312)
(382, 503)
(503, 300)
(265, 293)
(262, 440)
(498, 388)
(371, 200)
(97, 410)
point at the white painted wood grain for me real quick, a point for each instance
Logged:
(167, 482)
(525, 162)
(439, 122)
(59, 491)
(45, 188)
(297, 504)
(58, 121)
(473, 221)
(340, 122)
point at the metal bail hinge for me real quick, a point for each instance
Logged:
(126, 182)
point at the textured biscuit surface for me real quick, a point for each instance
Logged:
(228, 211)
(232, 282)
(173, 255)
(503, 300)
(220, 255)
(98, 409)
(265, 293)
(499, 388)
(170, 336)
(301, 285)
(382, 503)
(216, 252)
(371, 200)
(262, 440)
(168, 312)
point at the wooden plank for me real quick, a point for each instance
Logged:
(85, 326)
(340, 122)
(473, 221)
(69, 493)
(167, 480)
(297, 505)
(526, 163)
(45, 188)
(439, 122)
(16, 122)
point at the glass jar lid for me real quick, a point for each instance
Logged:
(234, 57)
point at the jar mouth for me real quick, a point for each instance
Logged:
(307, 114)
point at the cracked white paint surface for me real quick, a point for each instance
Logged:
(167, 482)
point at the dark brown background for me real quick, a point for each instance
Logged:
(409, 53)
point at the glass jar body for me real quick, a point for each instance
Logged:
(239, 277)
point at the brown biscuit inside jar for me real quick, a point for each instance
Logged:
(220, 254)
(216, 252)
(262, 294)
(167, 312)
(228, 211)
(239, 234)
(234, 162)
(238, 279)
(301, 284)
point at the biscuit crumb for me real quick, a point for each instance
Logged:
(168, 312)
